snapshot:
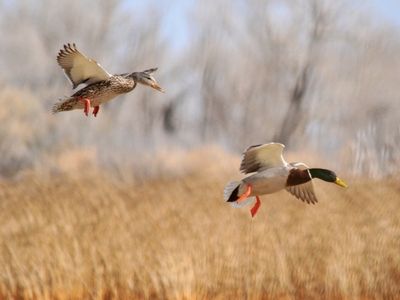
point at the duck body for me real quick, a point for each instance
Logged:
(98, 92)
(266, 182)
(101, 86)
(271, 173)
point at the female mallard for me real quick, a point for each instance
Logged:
(101, 86)
(273, 174)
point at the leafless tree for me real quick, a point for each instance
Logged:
(309, 73)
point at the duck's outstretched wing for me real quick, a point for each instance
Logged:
(260, 157)
(304, 192)
(79, 68)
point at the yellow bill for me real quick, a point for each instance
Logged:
(340, 182)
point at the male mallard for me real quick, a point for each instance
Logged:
(101, 86)
(272, 174)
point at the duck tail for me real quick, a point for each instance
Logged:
(56, 108)
(63, 105)
(231, 192)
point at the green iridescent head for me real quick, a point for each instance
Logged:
(326, 175)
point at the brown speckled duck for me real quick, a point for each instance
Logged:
(101, 86)
(272, 174)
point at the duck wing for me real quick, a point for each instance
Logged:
(304, 192)
(260, 157)
(79, 68)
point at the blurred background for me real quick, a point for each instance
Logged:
(129, 205)
(319, 76)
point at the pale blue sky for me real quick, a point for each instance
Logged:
(178, 12)
(388, 9)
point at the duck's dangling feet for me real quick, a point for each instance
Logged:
(246, 194)
(86, 102)
(96, 110)
(255, 207)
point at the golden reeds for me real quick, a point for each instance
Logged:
(80, 238)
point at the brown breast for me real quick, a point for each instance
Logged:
(121, 85)
(297, 176)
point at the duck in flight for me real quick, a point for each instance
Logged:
(271, 174)
(101, 86)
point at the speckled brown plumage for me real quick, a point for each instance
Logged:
(101, 86)
(98, 92)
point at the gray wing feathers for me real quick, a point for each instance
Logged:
(261, 157)
(304, 192)
(79, 68)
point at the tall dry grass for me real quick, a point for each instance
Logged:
(93, 237)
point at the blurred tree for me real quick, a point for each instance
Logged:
(309, 73)
(319, 16)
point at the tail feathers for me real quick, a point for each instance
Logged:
(231, 195)
(231, 190)
(56, 108)
(63, 105)
(244, 203)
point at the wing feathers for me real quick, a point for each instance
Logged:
(261, 157)
(79, 68)
(304, 192)
(149, 71)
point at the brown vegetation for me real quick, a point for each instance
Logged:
(94, 237)
(149, 222)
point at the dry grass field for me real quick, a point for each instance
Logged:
(129, 205)
(174, 238)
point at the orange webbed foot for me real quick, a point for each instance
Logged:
(255, 207)
(96, 110)
(246, 194)
(86, 102)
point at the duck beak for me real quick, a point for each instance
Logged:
(157, 87)
(340, 182)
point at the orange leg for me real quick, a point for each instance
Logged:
(96, 110)
(86, 101)
(255, 207)
(245, 195)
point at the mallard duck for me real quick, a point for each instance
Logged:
(271, 174)
(101, 85)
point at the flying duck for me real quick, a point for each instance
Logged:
(101, 86)
(271, 173)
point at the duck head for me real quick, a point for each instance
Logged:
(327, 175)
(146, 78)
